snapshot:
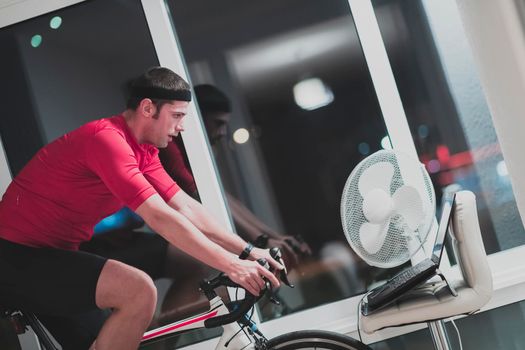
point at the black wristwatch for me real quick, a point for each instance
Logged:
(246, 252)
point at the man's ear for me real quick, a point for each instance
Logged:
(147, 107)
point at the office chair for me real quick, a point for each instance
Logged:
(431, 303)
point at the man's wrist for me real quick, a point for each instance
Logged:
(246, 252)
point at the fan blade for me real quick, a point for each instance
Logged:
(373, 236)
(377, 206)
(378, 175)
(408, 203)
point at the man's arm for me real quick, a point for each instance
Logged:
(176, 228)
(207, 224)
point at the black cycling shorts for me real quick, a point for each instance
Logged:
(59, 282)
(48, 281)
(59, 286)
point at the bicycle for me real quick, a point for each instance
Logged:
(240, 331)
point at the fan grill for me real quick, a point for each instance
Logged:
(398, 246)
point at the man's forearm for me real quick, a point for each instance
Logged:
(213, 230)
(183, 234)
(207, 224)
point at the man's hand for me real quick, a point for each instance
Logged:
(258, 253)
(250, 275)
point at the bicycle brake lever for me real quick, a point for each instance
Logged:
(284, 277)
(263, 263)
(275, 253)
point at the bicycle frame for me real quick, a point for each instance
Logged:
(233, 336)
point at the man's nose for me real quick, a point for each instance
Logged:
(179, 127)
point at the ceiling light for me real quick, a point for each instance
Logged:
(55, 22)
(312, 93)
(36, 40)
(241, 136)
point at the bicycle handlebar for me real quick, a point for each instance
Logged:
(208, 287)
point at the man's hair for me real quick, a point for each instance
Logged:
(211, 99)
(155, 77)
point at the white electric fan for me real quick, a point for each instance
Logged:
(387, 208)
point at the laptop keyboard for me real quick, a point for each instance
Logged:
(401, 283)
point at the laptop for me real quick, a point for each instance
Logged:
(414, 275)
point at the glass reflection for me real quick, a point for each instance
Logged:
(290, 173)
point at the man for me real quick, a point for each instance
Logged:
(51, 207)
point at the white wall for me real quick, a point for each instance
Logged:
(497, 39)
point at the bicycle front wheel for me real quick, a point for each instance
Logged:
(321, 340)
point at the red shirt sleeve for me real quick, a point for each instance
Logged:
(157, 176)
(112, 159)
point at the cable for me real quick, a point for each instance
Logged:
(252, 311)
(459, 335)
(243, 327)
(233, 336)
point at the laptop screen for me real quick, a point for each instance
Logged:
(446, 213)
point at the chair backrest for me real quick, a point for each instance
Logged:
(468, 245)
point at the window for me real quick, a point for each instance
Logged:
(295, 151)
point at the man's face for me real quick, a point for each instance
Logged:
(168, 123)
(216, 124)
